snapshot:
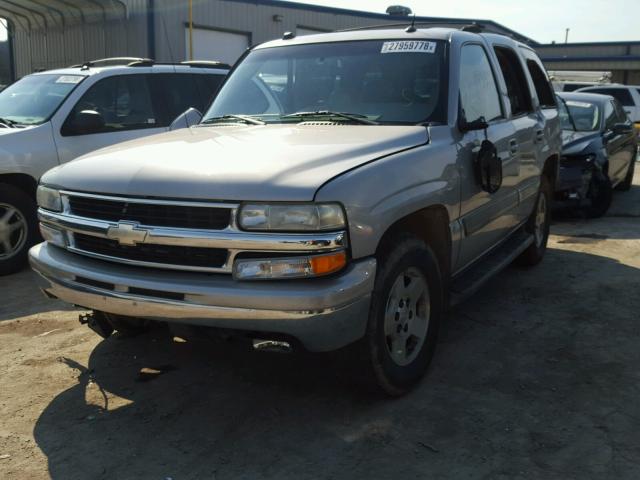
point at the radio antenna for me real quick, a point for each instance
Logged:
(411, 28)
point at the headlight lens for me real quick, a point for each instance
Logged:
(49, 199)
(292, 217)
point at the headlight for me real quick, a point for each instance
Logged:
(49, 199)
(292, 217)
(291, 267)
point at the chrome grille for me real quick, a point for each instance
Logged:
(164, 255)
(153, 214)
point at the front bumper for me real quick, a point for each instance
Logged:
(323, 314)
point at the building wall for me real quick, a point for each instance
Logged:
(87, 36)
(51, 42)
(252, 18)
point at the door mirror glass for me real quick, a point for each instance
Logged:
(186, 119)
(622, 128)
(85, 122)
(488, 167)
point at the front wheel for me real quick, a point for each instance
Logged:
(404, 317)
(628, 180)
(18, 228)
(599, 195)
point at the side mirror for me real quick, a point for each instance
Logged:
(622, 128)
(187, 119)
(488, 167)
(477, 124)
(85, 122)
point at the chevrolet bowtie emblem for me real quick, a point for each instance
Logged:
(127, 234)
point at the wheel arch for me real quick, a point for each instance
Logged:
(24, 182)
(430, 224)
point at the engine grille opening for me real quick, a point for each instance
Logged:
(178, 216)
(161, 254)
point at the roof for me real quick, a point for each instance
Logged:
(365, 34)
(584, 96)
(169, 68)
(398, 33)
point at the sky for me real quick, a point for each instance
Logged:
(3, 31)
(542, 20)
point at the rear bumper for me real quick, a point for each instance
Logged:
(323, 314)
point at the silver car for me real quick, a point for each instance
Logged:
(342, 190)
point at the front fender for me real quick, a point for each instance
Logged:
(378, 194)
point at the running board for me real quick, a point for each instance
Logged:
(471, 280)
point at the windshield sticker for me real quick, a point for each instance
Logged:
(573, 103)
(408, 46)
(69, 79)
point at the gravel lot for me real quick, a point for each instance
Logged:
(537, 376)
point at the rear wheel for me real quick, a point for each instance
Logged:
(404, 317)
(538, 225)
(599, 195)
(18, 228)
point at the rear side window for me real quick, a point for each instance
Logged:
(208, 86)
(478, 91)
(123, 101)
(621, 94)
(174, 93)
(541, 84)
(516, 81)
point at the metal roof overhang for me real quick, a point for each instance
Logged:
(31, 15)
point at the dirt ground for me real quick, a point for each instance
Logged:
(537, 376)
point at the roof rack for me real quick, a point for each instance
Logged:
(473, 28)
(390, 25)
(205, 64)
(129, 61)
(147, 62)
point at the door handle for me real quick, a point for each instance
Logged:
(513, 146)
(539, 136)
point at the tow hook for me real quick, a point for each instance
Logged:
(271, 346)
(97, 322)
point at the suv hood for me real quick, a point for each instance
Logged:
(272, 162)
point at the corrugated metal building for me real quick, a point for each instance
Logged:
(620, 58)
(53, 33)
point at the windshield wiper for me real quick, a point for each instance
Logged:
(566, 107)
(244, 118)
(353, 117)
(7, 122)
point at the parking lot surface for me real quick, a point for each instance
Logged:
(536, 376)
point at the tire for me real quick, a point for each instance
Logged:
(128, 326)
(410, 267)
(600, 195)
(538, 225)
(626, 184)
(18, 228)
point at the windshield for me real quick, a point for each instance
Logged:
(387, 82)
(33, 99)
(579, 116)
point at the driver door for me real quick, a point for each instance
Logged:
(487, 218)
(124, 103)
